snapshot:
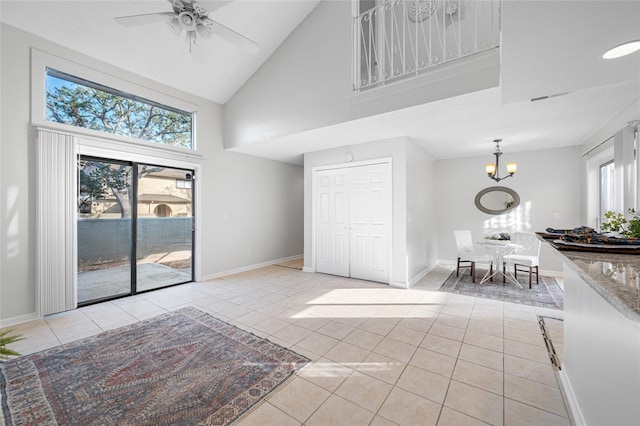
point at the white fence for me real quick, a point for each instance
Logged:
(397, 39)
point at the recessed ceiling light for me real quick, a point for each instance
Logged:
(622, 50)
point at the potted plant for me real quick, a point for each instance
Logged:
(625, 228)
(5, 339)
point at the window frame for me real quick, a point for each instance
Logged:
(79, 82)
(601, 167)
(40, 61)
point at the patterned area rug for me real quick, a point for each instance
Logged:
(547, 294)
(181, 368)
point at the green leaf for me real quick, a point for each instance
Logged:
(6, 339)
(627, 228)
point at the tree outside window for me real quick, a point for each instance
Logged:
(80, 103)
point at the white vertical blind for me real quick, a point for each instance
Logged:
(56, 221)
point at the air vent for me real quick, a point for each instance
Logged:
(555, 95)
(553, 356)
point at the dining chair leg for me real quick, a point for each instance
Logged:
(530, 273)
(537, 276)
(473, 272)
(458, 268)
(491, 271)
(504, 272)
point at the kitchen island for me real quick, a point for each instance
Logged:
(601, 367)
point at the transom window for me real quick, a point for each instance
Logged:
(77, 102)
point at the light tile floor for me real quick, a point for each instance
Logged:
(380, 356)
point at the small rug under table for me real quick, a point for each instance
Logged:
(547, 294)
(181, 368)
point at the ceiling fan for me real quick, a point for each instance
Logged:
(194, 19)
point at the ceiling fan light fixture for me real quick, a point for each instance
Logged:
(621, 50)
(199, 10)
(174, 25)
(188, 20)
(189, 16)
(203, 30)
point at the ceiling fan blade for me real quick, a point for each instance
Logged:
(233, 37)
(176, 5)
(149, 18)
(218, 5)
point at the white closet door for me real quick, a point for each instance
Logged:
(370, 219)
(353, 221)
(332, 227)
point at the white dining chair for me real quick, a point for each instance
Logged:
(467, 256)
(528, 258)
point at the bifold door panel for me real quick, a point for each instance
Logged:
(333, 222)
(353, 221)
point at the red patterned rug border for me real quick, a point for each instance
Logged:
(31, 373)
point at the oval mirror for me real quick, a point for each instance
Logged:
(497, 200)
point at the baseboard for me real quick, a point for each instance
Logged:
(248, 268)
(570, 398)
(286, 259)
(397, 284)
(549, 273)
(421, 275)
(308, 269)
(7, 322)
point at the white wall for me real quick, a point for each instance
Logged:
(247, 203)
(307, 84)
(548, 182)
(413, 240)
(422, 221)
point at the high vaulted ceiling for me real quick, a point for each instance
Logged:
(548, 48)
(153, 50)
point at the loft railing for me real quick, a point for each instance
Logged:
(398, 39)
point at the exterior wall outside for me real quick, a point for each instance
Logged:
(109, 208)
(252, 208)
(548, 182)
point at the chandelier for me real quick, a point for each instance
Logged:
(493, 169)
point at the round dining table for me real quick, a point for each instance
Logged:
(499, 250)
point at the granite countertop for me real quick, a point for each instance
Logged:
(616, 277)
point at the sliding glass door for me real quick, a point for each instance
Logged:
(104, 229)
(135, 228)
(164, 237)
